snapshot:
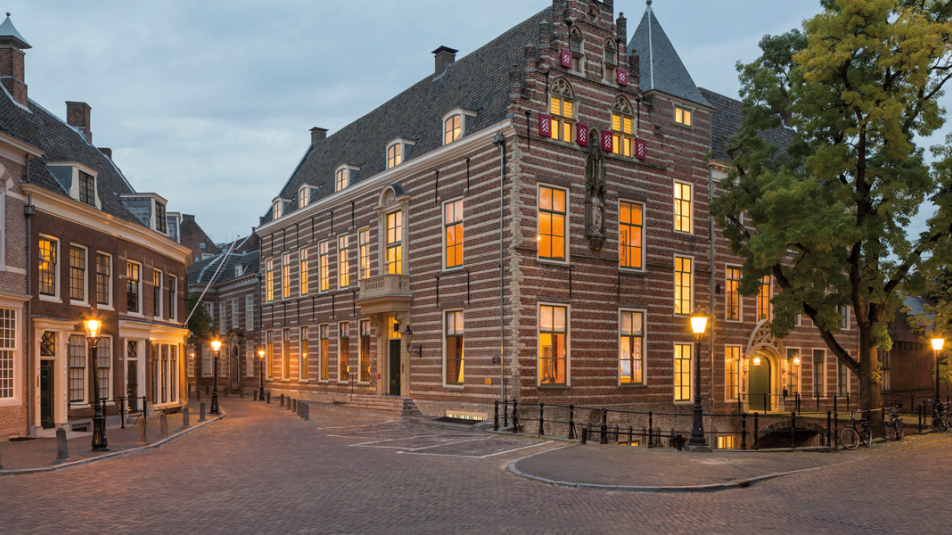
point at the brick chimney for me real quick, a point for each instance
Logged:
(12, 76)
(318, 134)
(445, 56)
(77, 116)
(106, 151)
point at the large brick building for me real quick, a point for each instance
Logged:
(83, 242)
(575, 160)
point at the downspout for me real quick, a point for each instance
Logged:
(28, 211)
(500, 141)
(713, 267)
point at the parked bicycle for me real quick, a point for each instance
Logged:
(940, 417)
(852, 436)
(892, 429)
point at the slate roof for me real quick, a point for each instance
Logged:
(661, 68)
(477, 82)
(202, 272)
(9, 34)
(727, 120)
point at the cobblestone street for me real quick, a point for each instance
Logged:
(262, 470)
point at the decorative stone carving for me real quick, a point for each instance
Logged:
(595, 193)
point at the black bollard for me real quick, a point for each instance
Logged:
(282, 401)
(62, 448)
(201, 412)
(268, 395)
(571, 422)
(307, 413)
(604, 429)
(541, 419)
(496, 415)
(743, 431)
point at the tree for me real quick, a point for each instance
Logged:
(828, 216)
(935, 320)
(200, 322)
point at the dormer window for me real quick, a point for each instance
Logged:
(454, 125)
(304, 196)
(239, 269)
(611, 62)
(575, 46)
(397, 151)
(161, 223)
(87, 188)
(682, 116)
(344, 176)
(562, 108)
(78, 180)
(278, 209)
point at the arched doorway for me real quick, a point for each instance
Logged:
(758, 383)
(763, 369)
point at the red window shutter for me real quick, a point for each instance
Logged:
(607, 142)
(545, 125)
(622, 77)
(640, 151)
(581, 137)
(566, 58)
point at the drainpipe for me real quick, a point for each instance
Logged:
(713, 267)
(500, 141)
(28, 211)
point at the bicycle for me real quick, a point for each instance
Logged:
(940, 417)
(892, 430)
(851, 437)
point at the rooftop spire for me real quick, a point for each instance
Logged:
(10, 35)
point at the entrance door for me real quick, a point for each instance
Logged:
(132, 384)
(46, 393)
(394, 389)
(759, 385)
(234, 367)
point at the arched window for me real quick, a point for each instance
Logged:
(394, 155)
(576, 46)
(452, 128)
(611, 62)
(562, 108)
(623, 128)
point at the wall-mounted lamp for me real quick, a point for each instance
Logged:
(410, 349)
(756, 360)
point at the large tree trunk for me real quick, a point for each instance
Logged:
(870, 393)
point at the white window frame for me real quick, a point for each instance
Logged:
(674, 284)
(141, 303)
(57, 280)
(304, 272)
(173, 299)
(277, 208)
(462, 222)
(304, 196)
(343, 378)
(208, 362)
(464, 119)
(674, 384)
(349, 171)
(688, 109)
(444, 313)
(84, 302)
(674, 212)
(369, 244)
(799, 371)
(235, 319)
(161, 292)
(568, 343)
(404, 145)
(644, 235)
(740, 298)
(644, 347)
(250, 312)
(3, 231)
(770, 314)
(321, 256)
(340, 270)
(249, 360)
(95, 367)
(737, 372)
(16, 364)
(222, 316)
(568, 224)
(302, 355)
(845, 320)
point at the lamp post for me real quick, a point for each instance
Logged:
(93, 327)
(937, 344)
(698, 442)
(261, 375)
(411, 349)
(216, 347)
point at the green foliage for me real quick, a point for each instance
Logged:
(935, 320)
(828, 217)
(200, 324)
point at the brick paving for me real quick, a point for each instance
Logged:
(262, 470)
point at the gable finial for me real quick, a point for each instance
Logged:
(8, 13)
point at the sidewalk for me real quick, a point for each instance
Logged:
(612, 467)
(40, 453)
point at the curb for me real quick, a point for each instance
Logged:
(91, 460)
(714, 487)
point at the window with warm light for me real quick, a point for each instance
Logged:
(286, 353)
(269, 284)
(270, 353)
(325, 356)
(630, 235)
(47, 266)
(732, 298)
(341, 179)
(133, 274)
(77, 273)
(763, 299)
(395, 243)
(277, 209)
(363, 237)
(631, 353)
(324, 265)
(452, 128)
(305, 283)
(553, 334)
(683, 285)
(302, 358)
(683, 208)
(682, 116)
(343, 261)
(562, 109)
(453, 347)
(793, 371)
(552, 223)
(304, 196)
(682, 371)
(157, 291)
(364, 351)
(453, 234)
(819, 372)
(394, 155)
(731, 371)
(286, 275)
(343, 351)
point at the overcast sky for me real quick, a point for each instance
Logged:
(208, 103)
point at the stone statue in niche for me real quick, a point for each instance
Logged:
(595, 193)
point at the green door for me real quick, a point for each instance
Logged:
(46, 394)
(394, 368)
(759, 385)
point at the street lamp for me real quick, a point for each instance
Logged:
(93, 327)
(937, 344)
(698, 326)
(261, 375)
(410, 349)
(216, 347)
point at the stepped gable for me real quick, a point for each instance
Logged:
(727, 120)
(478, 82)
(62, 143)
(661, 68)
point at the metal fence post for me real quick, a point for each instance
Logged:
(650, 427)
(571, 422)
(496, 415)
(680, 442)
(743, 431)
(829, 428)
(604, 428)
(584, 435)
(847, 402)
(630, 435)
(122, 412)
(793, 429)
(541, 419)
(920, 418)
(505, 413)
(515, 416)
(756, 429)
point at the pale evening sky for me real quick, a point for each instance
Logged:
(209, 103)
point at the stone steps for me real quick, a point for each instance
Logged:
(388, 404)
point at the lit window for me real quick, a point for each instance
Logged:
(552, 210)
(731, 370)
(732, 294)
(763, 299)
(630, 227)
(304, 275)
(819, 372)
(793, 371)
(563, 118)
(342, 179)
(682, 372)
(623, 128)
(725, 442)
(343, 351)
(324, 253)
(103, 279)
(87, 189)
(453, 234)
(394, 155)
(132, 286)
(395, 243)
(683, 209)
(278, 209)
(683, 282)
(452, 128)
(453, 365)
(611, 62)
(47, 267)
(77, 273)
(343, 261)
(286, 353)
(631, 348)
(553, 332)
(286, 275)
(302, 359)
(682, 116)
(364, 245)
(269, 285)
(304, 196)
(364, 351)
(270, 365)
(325, 351)
(157, 293)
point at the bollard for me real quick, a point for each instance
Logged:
(268, 395)
(62, 448)
(793, 429)
(571, 422)
(143, 432)
(307, 413)
(541, 419)
(282, 401)
(122, 412)
(505, 414)
(201, 412)
(604, 429)
(241, 393)
(756, 429)
(185, 422)
(515, 416)
(496, 415)
(743, 431)
(650, 427)
(680, 442)
(163, 423)
(829, 429)
(584, 436)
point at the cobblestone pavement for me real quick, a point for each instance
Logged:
(262, 470)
